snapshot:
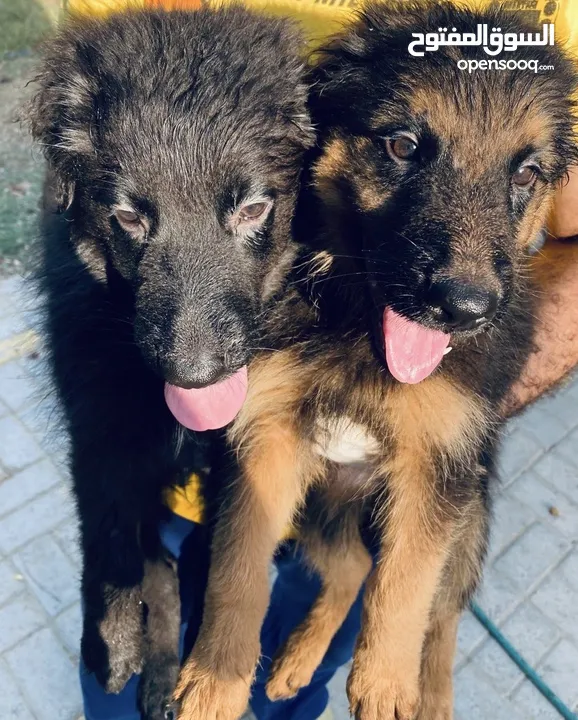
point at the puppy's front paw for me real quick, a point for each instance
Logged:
(440, 713)
(201, 695)
(156, 687)
(376, 694)
(436, 705)
(291, 671)
(112, 643)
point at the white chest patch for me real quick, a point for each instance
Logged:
(344, 441)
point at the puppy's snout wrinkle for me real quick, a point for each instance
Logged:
(461, 305)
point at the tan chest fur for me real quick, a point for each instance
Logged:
(392, 428)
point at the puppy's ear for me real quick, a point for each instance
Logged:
(61, 112)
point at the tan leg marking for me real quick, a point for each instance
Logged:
(461, 576)
(215, 681)
(437, 668)
(384, 681)
(343, 570)
(418, 526)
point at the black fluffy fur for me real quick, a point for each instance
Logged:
(182, 117)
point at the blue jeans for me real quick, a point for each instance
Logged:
(293, 594)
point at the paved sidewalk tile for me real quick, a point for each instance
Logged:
(477, 699)
(471, 635)
(569, 570)
(18, 447)
(6, 300)
(4, 410)
(25, 485)
(541, 424)
(556, 599)
(536, 552)
(498, 595)
(560, 473)
(517, 455)
(16, 390)
(41, 420)
(50, 575)
(46, 676)
(66, 535)
(531, 633)
(563, 408)
(11, 581)
(568, 447)
(549, 506)
(12, 705)
(492, 662)
(18, 619)
(560, 671)
(511, 519)
(11, 325)
(69, 628)
(532, 704)
(35, 518)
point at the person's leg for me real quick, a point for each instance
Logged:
(294, 592)
(187, 542)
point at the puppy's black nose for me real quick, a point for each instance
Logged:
(460, 305)
(199, 371)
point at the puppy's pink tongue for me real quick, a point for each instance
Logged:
(211, 407)
(412, 351)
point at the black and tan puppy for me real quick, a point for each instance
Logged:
(430, 186)
(175, 144)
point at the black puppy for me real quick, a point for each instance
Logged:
(174, 143)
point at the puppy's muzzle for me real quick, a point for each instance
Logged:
(461, 306)
(202, 369)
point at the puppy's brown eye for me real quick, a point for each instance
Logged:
(403, 148)
(524, 176)
(253, 211)
(127, 216)
(131, 222)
